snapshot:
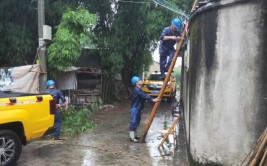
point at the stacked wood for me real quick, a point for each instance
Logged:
(258, 156)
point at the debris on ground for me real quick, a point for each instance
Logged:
(107, 108)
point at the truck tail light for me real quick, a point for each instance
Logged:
(53, 107)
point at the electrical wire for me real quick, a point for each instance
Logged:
(170, 7)
(133, 1)
(161, 3)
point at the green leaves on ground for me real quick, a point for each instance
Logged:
(75, 122)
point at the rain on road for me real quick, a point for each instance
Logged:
(108, 143)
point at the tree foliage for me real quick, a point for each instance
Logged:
(73, 32)
(18, 34)
(127, 34)
(19, 28)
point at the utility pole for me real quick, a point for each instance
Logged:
(42, 47)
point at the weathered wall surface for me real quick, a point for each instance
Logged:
(225, 88)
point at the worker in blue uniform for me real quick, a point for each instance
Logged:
(138, 100)
(168, 38)
(57, 96)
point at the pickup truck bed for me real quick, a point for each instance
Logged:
(23, 118)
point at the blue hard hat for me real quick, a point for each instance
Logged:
(50, 82)
(135, 79)
(176, 23)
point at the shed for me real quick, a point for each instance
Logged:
(81, 85)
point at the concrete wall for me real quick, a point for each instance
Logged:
(225, 87)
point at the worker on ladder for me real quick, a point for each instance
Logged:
(169, 36)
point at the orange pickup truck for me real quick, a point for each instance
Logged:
(153, 84)
(23, 117)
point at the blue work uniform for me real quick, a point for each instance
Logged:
(139, 98)
(57, 96)
(166, 49)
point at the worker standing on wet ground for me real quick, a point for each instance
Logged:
(57, 96)
(138, 100)
(169, 37)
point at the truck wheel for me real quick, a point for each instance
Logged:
(10, 147)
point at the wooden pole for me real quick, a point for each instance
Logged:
(169, 132)
(262, 145)
(264, 158)
(251, 155)
(167, 78)
(194, 6)
(262, 135)
(156, 105)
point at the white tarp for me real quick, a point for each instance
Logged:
(20, 79)
(66, 80)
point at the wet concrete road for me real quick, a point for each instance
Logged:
(108, 143)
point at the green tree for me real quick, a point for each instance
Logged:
(72, 34)
(18, 34)
(127, 34)
(19, 28)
